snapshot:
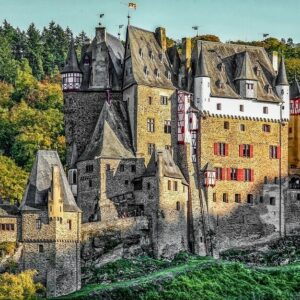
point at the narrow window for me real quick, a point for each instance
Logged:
(169, 185)
(150, 100)
(38, 224)
(163, 100)
(272, 200)
(275, 180)
(122, 168)
(148, 186)
(242, 108)
(150, 125)
(266, 128)
(226, 125)
(250, 199)
(141, 53)
(69, 224)
(178, 205)
(233, 174)
(167, 126)
(225, 197)
(237, 198)
(261, 199)
(219, 107)
(133, 168)
(242, 127)
(90, 183)
(220, 174)
(74, 177)
(175, 186)
(290, 130)
(126, 182)
(151, 148)
(247, 175)
(265, 110)
(221, 149)
(89, 168)
(273, 152)
(41, 248)
(214, 197)
(298, 197)
(107, 167)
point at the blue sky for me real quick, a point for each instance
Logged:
(229, 19)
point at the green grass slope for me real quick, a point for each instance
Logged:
(190, 277)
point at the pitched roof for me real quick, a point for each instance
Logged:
(169, 167)
(145, 52)
(7, 210)
(295, 89)
(201, 69)
(71, 65)
(281, 77)
(111, 136)
(36, 194)
(234, 62)
(245, 70)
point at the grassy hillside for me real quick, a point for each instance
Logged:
(190, 277)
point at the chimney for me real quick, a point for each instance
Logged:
(100, 34)
(274, 60)
(160, 34)
(186, 52)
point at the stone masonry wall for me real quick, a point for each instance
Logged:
(235, 223)
(8, 235)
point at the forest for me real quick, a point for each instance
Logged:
(31, 100)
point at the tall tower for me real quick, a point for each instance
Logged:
(201, 82)
(283, 89)
(51, 224)
(71, 73)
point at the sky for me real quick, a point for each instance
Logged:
(229, 19)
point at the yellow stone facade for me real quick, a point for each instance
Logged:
(157, 111)
(294, 142)
(212, 131)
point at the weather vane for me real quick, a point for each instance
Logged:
(119, 33)
(101, 16)
(196, 27)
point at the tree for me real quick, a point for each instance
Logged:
(20, 286)
(12, 180)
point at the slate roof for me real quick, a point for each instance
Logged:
(295, 89)
(201, 70)
(7, 210)
(36, 194)
(281, 77)
(71, 65)
(238, 61)
(144, 41)
(111, 137)
(170, 169)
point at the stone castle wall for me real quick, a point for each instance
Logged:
(9, 234)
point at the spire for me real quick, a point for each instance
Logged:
(201, 70)
(281, 77)
(246, 69)
(71, 65)
(295, 89)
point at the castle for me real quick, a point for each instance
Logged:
(193, 145)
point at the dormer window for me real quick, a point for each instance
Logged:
(269, 89)
(141, 53)
(146, 71)
(160, 56)
(221, 67)
(169, 75)
(250, 86)
(220, 84)
(86, 60)
(257, 71)
(151, 55)
(157, 73)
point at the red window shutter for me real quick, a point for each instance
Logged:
(228, 174)
(278, 152)
(223, 174)
(251, 150)
(226, 149)
(216, 148)
(241, 150)
(252, 175)
(240, 174)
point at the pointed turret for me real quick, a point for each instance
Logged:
(245, 78)
(201, 80)
(71, 73)
(281, 77)
(295, 89)
(201, 70)
(246, 71)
